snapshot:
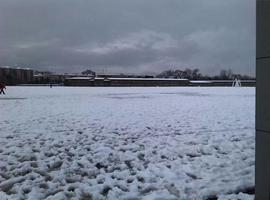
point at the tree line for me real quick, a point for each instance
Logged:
(195, 74)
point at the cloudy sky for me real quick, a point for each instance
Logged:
(131, 36)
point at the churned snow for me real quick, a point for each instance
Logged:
(127, 143)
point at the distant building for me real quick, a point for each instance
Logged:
(124, 82)
(123, 76)
(89, 73)
(40, 78)
(115, 81)
(15, 75)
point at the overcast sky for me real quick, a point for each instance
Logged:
(131, 36)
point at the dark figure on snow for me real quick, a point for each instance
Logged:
(2, 88)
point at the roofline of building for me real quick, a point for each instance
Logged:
(135, 79)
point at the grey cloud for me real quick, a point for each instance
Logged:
(128, 36)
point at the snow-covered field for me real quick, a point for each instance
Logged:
(127, 143)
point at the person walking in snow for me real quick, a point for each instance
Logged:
(2, 88)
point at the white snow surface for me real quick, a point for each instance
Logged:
(127, 143)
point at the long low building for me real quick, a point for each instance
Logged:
(124, 82)
(150, 82)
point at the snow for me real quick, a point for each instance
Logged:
(201, 81)
(81, 78)
(127, 143)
